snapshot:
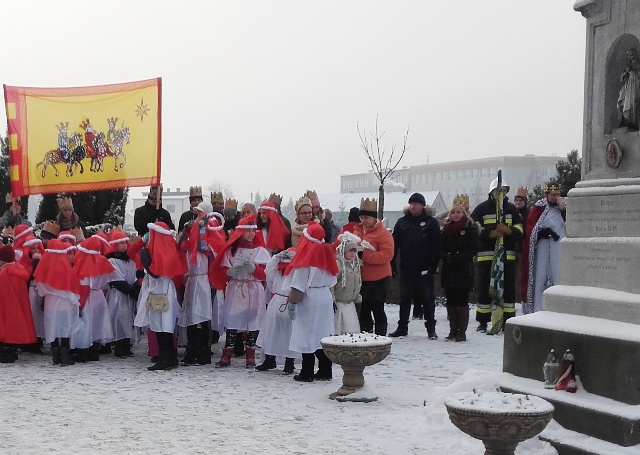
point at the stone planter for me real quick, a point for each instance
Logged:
(354, 352)
(500, 420)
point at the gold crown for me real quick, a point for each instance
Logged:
(369, 205)
(304, 200)
(522, 191)
(312, 195)
(217, 196)
(276, 199)
(230, 204)
(460, 201)
(77, 233)
(195, 191)
(551, 186)
(64, 203)
(52, 227)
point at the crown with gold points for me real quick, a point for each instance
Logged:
(460, 202)
(195, 191)
(52, 227)
(276, 199)
(85, 124)
(313, 197)
(303, 200)
(231, 204)
(368, 207)
(64, 203)
(522, 191)
(551, 186)
(63, 126)
(217, 197)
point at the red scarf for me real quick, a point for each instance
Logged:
(454, 227)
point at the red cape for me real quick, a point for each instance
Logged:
(16, 320)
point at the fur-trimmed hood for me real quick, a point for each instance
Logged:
(427, 210)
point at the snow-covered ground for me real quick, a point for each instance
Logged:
(117, 406)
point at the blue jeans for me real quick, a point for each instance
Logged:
(417, 288)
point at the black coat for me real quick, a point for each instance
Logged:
(457, 252)
(416, 240)
(149, 214)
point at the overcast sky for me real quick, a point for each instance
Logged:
(266, 95)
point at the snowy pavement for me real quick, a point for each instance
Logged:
(116, 406)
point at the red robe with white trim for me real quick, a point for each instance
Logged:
(16, 319)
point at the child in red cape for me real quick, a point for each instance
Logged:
(16, 321)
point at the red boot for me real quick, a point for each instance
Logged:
(250, 354)
(225, 359)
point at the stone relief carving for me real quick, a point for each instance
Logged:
(629, 96)
(614, 153)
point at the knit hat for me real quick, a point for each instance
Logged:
(205, 206)
(7, 254)
(353, 215)
(418, 198)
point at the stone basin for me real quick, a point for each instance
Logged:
(500, 420)
(353, 352)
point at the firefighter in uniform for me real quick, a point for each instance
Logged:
(510, 228)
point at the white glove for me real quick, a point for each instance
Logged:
(367, 246)
(292, 310)
(234, 272)
(248, 267)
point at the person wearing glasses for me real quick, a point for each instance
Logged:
(304, 215)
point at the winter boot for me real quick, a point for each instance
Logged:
(324, 367)
(452, 315)
(6, 356)
(381, 329)
(215, 337)
(306, 373)
(65, 357)
(166, 361)
(93, 354)
(250, 356)
(482, 327)
(225, 359)
(463, 323)
(55, 354)
(204, 355)
(268, 364)
(401, 331)
(105, 349)
(190, 357)
(289, 366)
(80, 355)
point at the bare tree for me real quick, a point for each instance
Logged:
(224, 187)
(381, 164)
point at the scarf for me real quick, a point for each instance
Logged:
(455, 227)
(296, 233)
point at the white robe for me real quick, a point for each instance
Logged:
(37, 303)
(196, 305)
(61, 319)
(244, 302)
(122, 307)
(275, 329)
(546, 261)
(314, 314)
(156, 321)
(95, 315)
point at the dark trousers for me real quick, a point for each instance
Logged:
(457, 297)
(419, 288)
(374, 294)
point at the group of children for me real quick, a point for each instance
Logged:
(84, 295)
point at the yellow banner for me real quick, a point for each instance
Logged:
(84, 138)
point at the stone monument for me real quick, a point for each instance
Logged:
(595, 309)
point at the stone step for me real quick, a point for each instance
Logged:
(582, 412)
(607, 353)
(593, 302)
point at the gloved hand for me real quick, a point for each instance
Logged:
(546, 233)
(248, 267)
(134, 292)
(367, 246)
(234, 272)
(503, 229)
(139, 274)
(291, 307)
(554, 236)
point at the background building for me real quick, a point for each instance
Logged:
(471, 177)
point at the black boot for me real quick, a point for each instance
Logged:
(122, 348)
(381, 329)
(191, 355)
(204, 355)
(308, 364)
(55, 354)
(289, 366)
(401, 331)
(65, 357)
(324, 367)
(105, 349)
(166, 361)
(268, 364)
(80, 355)
(93, 353)
(215, 337)
(6, 356)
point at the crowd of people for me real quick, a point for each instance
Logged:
(262, 280)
